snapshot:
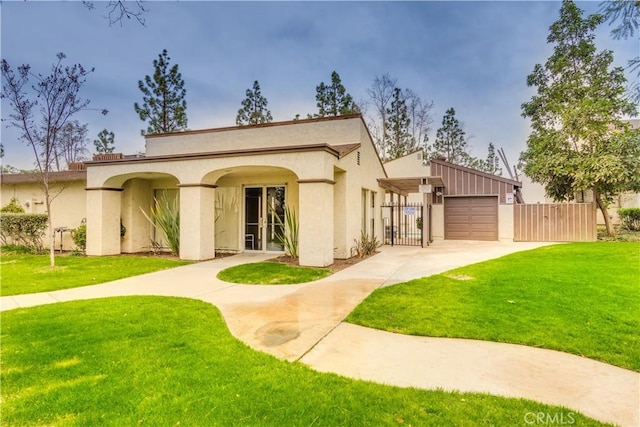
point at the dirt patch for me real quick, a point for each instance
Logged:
(338, 264)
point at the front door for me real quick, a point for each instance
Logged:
(264, 217)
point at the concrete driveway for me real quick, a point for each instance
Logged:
(304, 322)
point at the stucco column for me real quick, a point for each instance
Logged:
(316, 222)
(103, 221)
(341, 216)
(197, 221)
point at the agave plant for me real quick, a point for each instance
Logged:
(288, 236)
(165, 215)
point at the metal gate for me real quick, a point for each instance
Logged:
(403, 224)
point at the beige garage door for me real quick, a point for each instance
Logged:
(471, 218)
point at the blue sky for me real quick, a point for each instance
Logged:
(473, 56)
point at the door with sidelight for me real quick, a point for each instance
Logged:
(264, 214)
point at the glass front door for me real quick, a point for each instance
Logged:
(264, 217)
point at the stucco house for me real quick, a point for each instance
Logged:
(233, 183)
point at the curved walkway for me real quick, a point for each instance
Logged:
(304, 322)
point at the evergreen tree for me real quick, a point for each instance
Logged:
(333, 100)
(399, 140)
(164, 105)
(254, 108)
(451, 141)
(105, 143)
(578, 140)
(492, 163)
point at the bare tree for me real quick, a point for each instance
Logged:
(419, 112)
(381, 94)
(118, 11)
(73, 143)
(41, 107)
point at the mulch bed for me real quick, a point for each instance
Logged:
(338, 264)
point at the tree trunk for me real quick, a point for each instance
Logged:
(52, 234)
(605, 213)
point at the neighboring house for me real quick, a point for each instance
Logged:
(467, 204)
(68, 207)
(535, 193)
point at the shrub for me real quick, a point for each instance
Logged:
(366, 246)
(12, 207)
(17, 250)
(165, 215)
(288, 238)
(23, 229)
(630, 218)
(79, 235)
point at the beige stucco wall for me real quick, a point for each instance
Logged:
(410, 165)
(334, 132)
(68, 209)
(505, 222)
(437, 222)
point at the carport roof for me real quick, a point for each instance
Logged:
(405, 186)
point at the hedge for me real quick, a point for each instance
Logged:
(630, 218)
(23, 229)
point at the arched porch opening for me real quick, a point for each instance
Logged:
(119, 205)
(250, 202)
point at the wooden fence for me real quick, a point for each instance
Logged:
(564, 222)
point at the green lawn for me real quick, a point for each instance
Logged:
(25, 274)
(582, 298)
(271, 273)
(160, 361)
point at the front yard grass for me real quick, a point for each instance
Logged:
(161, 361)
(271, 273)
(25, 274)
(581, 298)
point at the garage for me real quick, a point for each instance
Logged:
(471, 218)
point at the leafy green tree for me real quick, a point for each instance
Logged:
(399, 141)
(105, 143)
(451, 141)
(578, 139)
(627, 14)
(254, 108)
(164, 105)
(333, 99)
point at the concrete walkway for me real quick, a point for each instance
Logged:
(304, 322)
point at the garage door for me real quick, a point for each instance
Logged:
(471, 218)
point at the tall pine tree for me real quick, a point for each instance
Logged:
(451, 141)
(333, 99)
(254, 108)
(164, 105)
(578, 140)
(399, 141)
(105, 143)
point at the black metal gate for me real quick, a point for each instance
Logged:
(403, 224)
